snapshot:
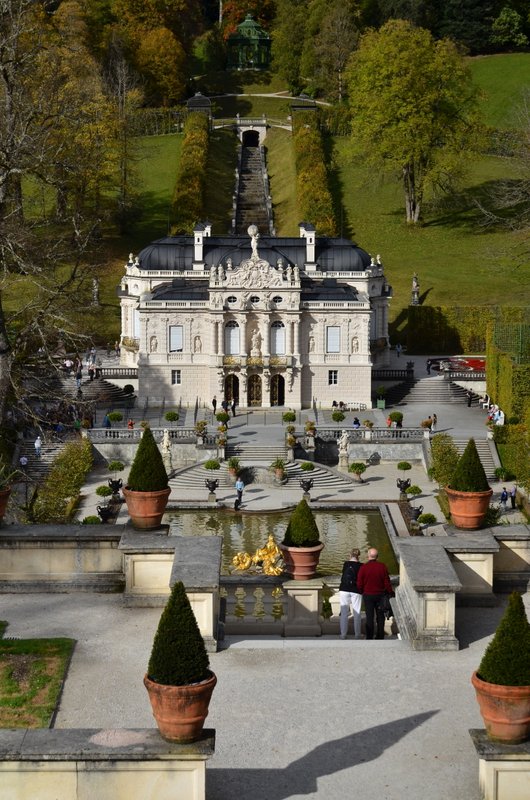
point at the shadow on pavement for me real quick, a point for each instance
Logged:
(300, 777)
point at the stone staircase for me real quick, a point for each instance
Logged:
(253, 453)
(484, 452)
(251, 206)
(38, 468)
(432, 390)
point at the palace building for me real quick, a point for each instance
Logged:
(269, 321)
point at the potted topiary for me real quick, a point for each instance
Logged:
(171, 416)
(103, 491)
(6, 479)
(301, 546)
(233, 466)
(397, 418)
(278, 467)
(426, 520)
(468, 491)
(115, 416)
(289, 416)
(147, 492)
(179, 680)
(357, 468)
(381, 392)
(338, 416)
(502, 681)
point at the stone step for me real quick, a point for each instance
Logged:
(427, 390)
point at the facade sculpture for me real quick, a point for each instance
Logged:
(241, 316)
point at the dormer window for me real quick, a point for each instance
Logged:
(231, 300)
(254, 299)
(277, 299)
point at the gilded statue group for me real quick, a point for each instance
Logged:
(267, 559)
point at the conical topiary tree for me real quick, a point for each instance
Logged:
(148, 473)
(506, 661)
(179, 656)
(469, 475)
(302, 530)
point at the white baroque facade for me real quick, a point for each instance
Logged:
(271, 321)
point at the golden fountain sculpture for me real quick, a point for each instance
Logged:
(268, 559)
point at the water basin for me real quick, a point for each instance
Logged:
(340, 530)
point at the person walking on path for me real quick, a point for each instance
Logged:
(214, 403)
(469, 397)
(233, 407)
(513, 496)
(350, 596)
(106, 422)
(434, 422)
(38, 446)
(428, 365)
(373, 581)
(398, 350)
(224, 406)
(239, 489)
(504, 498)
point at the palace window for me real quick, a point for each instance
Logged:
(176, 338)
(176, 377)
(232, 338)
(333, 339)
(277, 339)
(333, 377)
(231, 299)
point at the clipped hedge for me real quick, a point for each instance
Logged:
(188, 196)
(60, 489)
(453, 329)
(508, 382)
(315, 202)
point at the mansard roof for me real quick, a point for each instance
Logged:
(327, 290)
(180, 289)
(176, 252)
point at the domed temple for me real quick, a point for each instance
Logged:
(267, 321)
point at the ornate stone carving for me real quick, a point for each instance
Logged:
(254, 274)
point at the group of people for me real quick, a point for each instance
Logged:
(512, 494)
(225, 405)
(369, 582)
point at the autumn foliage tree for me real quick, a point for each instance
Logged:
(413, 106)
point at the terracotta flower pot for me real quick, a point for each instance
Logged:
(146, 509)
(504, 709)
(301, 562)
(180, 711)
(4, 497)
(468, 509)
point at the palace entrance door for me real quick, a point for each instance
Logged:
(254, 390)
(232, 388)
(277, 390)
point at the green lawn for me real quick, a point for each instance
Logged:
(502, 79)
(32, 672)
(457, 262)
(252, 106)
(282, 175)
(222, 162)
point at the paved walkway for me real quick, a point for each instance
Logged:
(318, 718)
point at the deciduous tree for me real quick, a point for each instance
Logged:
(413, 105)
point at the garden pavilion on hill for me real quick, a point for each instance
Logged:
(249, 47)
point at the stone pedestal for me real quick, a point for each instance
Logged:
(343, 462)
(79, 764)
(504, 769)
(212, 499)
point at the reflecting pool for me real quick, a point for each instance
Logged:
(340, 530)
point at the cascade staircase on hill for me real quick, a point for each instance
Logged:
(254, 453)
(427, 390)
(38, 468)
(484, 452)
(251, 206)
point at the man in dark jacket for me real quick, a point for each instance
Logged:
(350, 595)
(373, 581)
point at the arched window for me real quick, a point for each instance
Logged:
(277, 339)
(232, 338)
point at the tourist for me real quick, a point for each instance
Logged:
(214, 403)
(224, 406)
(469, 397)
(233, 407)
(117, 348)
(239, 489)
(78, 376)
(388, 422)
(130, 424)
(398, 349)
(106, 422)
(38, 446)
(91, 371)
(350, 596)
(513, 496)
(504, 498)
(23, 461)
(434, 422)
(428, 365)
(356, 423)
(373, 581)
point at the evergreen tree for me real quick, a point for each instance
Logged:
(506, 661)
(148, 473)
